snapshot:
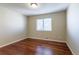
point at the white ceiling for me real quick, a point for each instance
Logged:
(42, 9)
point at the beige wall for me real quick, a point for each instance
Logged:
(12, 26)
(73, 28)
(58, 32)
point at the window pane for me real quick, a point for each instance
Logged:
(39, 25)
(47, 24)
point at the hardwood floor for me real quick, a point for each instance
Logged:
(35, 47)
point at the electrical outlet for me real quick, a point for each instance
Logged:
(46, 38)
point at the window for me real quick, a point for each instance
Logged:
(44, 24)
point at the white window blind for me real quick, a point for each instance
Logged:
(44, 24)
(39, 25)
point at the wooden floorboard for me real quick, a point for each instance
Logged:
(35, 47)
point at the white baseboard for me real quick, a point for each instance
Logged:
(48, 39)
(70, 49)
(12, 42)
(29, 37)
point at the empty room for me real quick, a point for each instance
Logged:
(39, 29)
